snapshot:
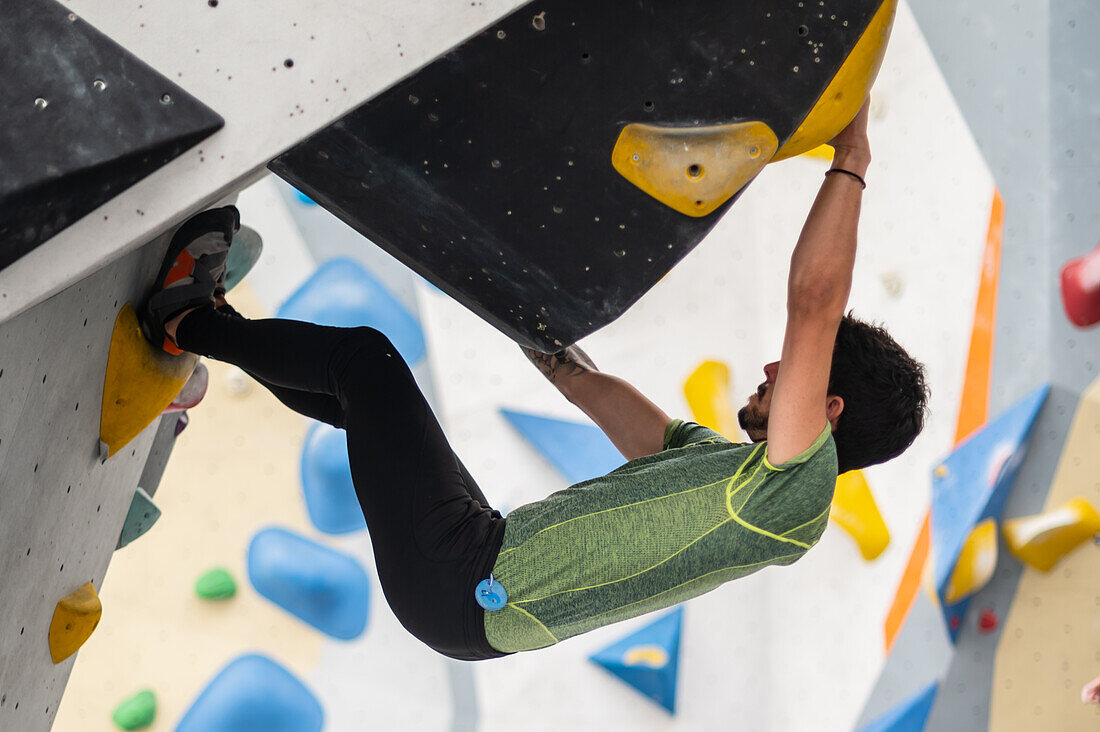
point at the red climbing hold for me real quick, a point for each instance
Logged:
(1081, 289)
(954, 622)
(181, 423)
(988, 620)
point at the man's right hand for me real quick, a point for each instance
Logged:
(562, 366)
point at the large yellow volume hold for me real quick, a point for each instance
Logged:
(707, 391)
(693, 170)
(74, 619)
(844, 95)
(1043, 539)
(140, 382)
(854, 510)
(976, 562)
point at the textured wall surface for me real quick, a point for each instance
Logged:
(61, 509)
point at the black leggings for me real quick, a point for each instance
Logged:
(434, 534)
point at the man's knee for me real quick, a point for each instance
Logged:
(363, 354)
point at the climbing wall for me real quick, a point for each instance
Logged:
(61, 508)
(273, 77)
(1023, 80)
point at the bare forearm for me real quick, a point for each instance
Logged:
(630, 420)
(821, 266)
(633, 423)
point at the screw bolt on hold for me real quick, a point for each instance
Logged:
(954, 622)
(988, 620)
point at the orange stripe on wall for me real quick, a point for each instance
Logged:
(910, 582)
(973, 407)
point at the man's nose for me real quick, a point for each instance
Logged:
(771, 370)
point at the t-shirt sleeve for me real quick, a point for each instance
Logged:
(679, 433)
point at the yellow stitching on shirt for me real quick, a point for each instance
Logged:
(815, 518)
(609, 510)
(771, 561)
(540, 623)
(768, 534)
(641, 571)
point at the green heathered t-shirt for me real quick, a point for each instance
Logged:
(658, 530)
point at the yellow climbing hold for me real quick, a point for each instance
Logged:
(74, 619)
(707, 391)
(844, 95)
(976, 562)
(693, 170)
(1043, 539)
(821, 152)
(140, 382)
(854, 510)
(652, 656)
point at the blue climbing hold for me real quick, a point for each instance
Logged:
(648, 659)
(254, 694)
(909, 716)
(579, 451)
(490, 594)
(325, 588)
(972, 485)
(342, 293)
(326, 481)
(303, 198)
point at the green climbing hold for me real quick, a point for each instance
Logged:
(137, 712)
(217, 584)
(140, 518)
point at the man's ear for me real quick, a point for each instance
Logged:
(834, 405)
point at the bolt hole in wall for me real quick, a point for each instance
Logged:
(695, 171)
(803, 30)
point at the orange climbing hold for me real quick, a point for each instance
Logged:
(74, 619)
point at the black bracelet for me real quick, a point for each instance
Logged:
(848, 172)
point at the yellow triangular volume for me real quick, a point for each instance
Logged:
(74, 619)
(854, 510)
(1043, 539)
(707, 391)
(976, 562)
(140, 382)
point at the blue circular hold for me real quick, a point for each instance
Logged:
(490, 594)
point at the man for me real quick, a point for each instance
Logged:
(689, 511)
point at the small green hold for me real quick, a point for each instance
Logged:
(137, 712)
(217, 584)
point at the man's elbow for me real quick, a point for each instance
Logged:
(824, 298)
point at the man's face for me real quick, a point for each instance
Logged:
(754, 415)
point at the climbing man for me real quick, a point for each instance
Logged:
(689, 511)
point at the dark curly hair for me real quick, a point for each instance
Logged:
(884, 392)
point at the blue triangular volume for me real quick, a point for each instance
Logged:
(648, 659)
(579, 451)
(909, 716)
(343, 293)
(973, 483)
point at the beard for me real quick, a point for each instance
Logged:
(753, 422)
